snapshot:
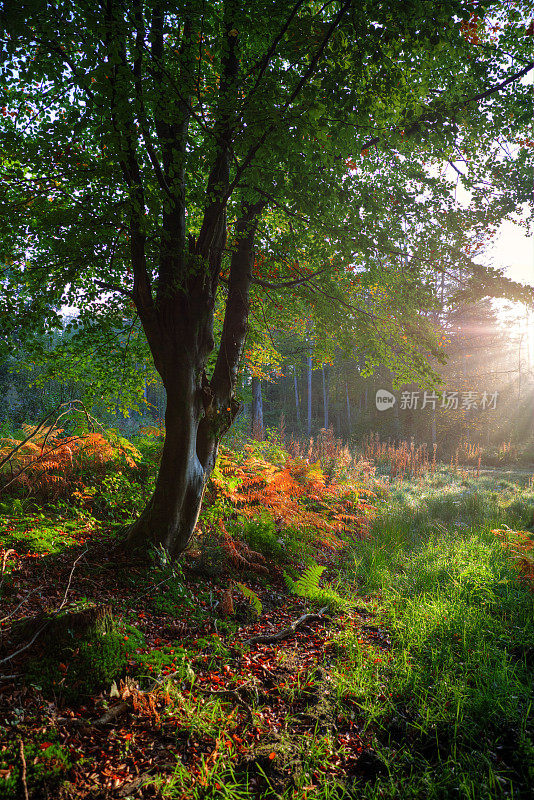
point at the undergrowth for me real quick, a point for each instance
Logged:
(417, 682)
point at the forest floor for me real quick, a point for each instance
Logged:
(412, 676)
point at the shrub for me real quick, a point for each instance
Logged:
(261, 535)
(49, 463)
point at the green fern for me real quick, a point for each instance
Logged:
(307, 585)
(251, 596)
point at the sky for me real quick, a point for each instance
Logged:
(513, 251)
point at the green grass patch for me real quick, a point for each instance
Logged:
(452, 702)
(41, 533)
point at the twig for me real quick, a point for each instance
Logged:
(70, 579)
(23, 775)
(267, 638)
(27, 439)
(32, 591)
(71, 405)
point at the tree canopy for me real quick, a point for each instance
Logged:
(177, 162)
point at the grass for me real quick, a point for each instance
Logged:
(445, 693)
(451, 702)
(422, 686)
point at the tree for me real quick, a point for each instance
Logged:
(148, 147)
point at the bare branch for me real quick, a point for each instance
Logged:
(287, 284)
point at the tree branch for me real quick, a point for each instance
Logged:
(481, 96)
(114, 288)
(264, 62)
(287, 284)
(294, 94)
(235, 322)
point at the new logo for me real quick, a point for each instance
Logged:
(384, 400)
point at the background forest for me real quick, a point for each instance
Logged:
(289, 386)
(266, 406)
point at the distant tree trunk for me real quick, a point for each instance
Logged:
(297, 401)
(396, 420)
(519, 368)
(325, 396)
(257, 409)
(349, 424)
(309, 379)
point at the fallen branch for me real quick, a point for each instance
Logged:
(23, 771)
(113, 713)
(24, 600)
(285, 633)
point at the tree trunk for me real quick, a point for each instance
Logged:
(325, 397)
(188, 457)
(199, 410)
(257, 410)
(297, 401)
(309, 377)
(349, 423)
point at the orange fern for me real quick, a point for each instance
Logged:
(520, 545)
(47, 462)
(295, 494)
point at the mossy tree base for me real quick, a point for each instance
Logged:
(78, 651)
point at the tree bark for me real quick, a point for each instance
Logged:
(309, 381)
(199, 410)
(349, 423)
(297, 400)
(172, 512)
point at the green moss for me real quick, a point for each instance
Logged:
(37, 534)
(47, 763)
(76, 658)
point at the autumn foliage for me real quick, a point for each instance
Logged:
(49, 463)
(404, 459)
(295, 493)
(520, 546)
